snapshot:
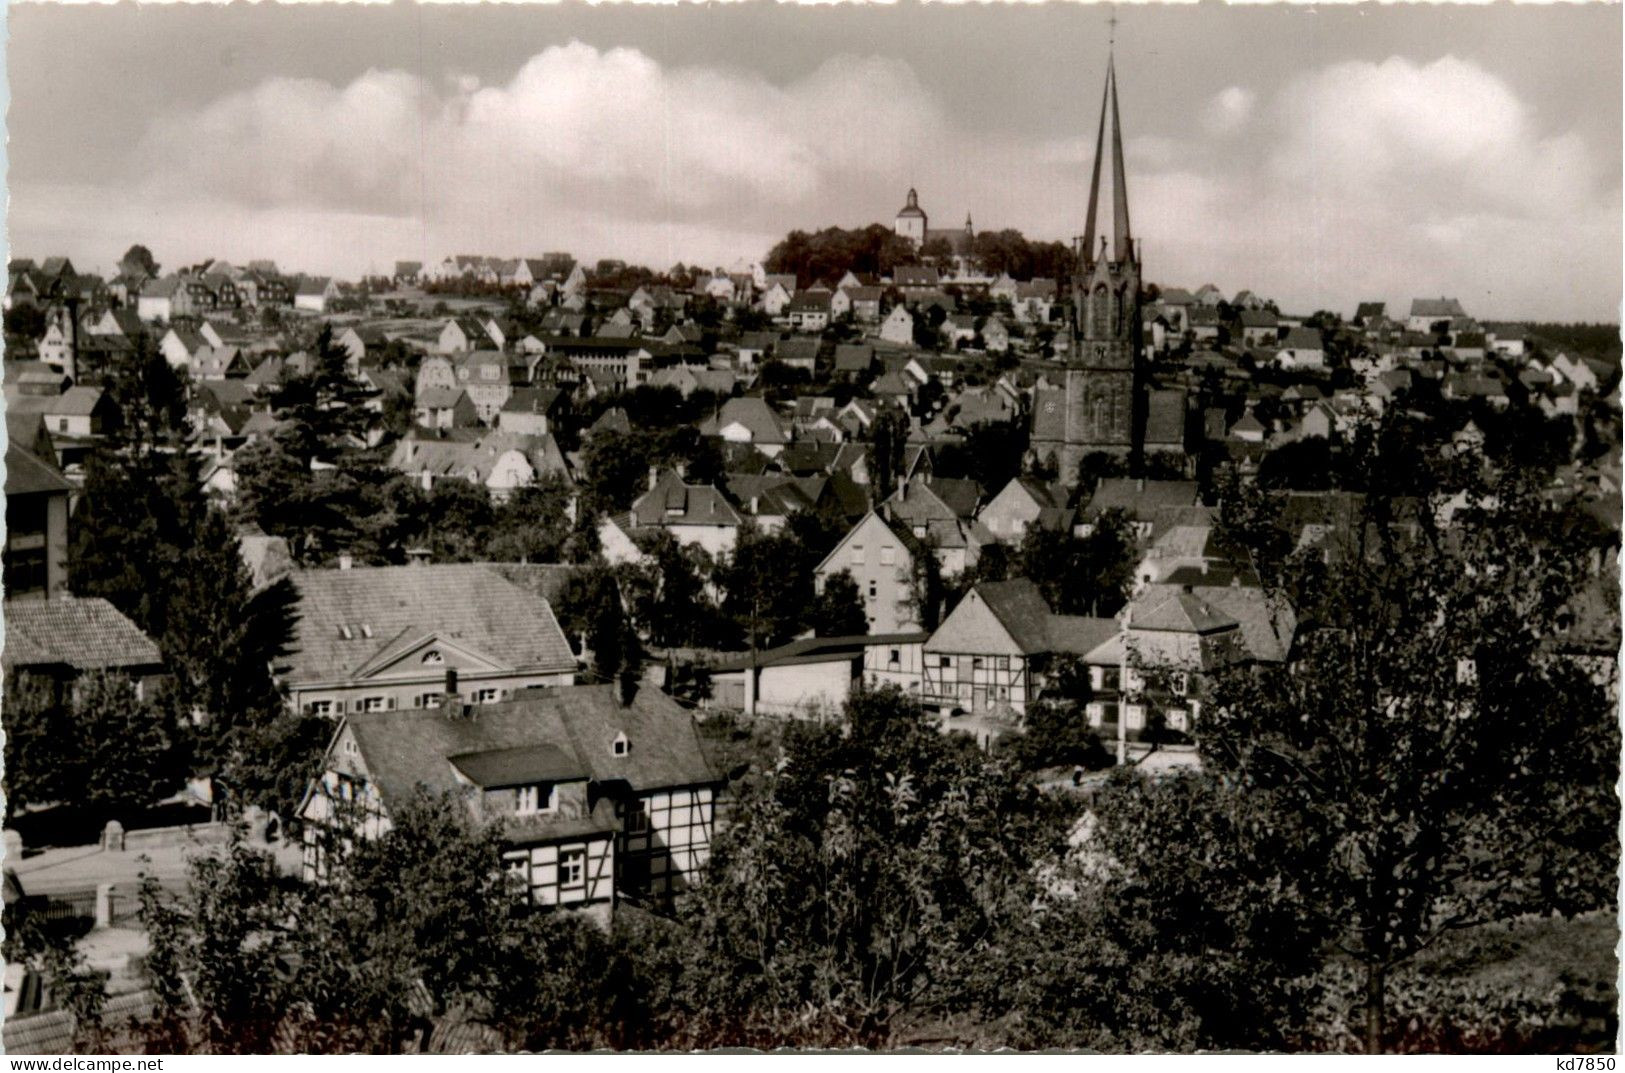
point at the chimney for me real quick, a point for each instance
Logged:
(626, 686)
(344, 561)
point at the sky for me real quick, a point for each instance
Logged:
(1320, 157)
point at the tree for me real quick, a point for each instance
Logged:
(863, 874)
(592, 613)
(927, 590)
(1166, 928)
(129, 757)
(414, 925)
(666, 591)
(888, 444)
(138, 259)
(767, 587)
(1450, 766)
(838, 610)
(39, 750)
(1080, 575)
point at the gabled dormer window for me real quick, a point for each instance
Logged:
(621, 745)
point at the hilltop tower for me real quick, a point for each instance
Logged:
(1102, 402)
(911, 219)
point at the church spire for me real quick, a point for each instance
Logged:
(1122, 237)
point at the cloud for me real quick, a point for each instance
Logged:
(1229, 110)
(1390, 180)
(1354, 180)
(576, 134)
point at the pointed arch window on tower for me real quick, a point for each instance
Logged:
(1099, 311)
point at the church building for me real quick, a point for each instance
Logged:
(1102, 404)
(912, 223)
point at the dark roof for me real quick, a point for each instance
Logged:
(1178, 611)
(519, 766)
(83, 632)
(461, 603)
(28, 474)
(1140, 497)
(1021, 609)
(1079, 634)
(818, 650)
(1165, 417)
(404, 750)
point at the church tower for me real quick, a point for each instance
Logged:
(911, 219)
(1103, 399)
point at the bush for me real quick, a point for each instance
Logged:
(1057, 733)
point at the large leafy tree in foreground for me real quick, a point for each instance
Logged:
(1454, 763)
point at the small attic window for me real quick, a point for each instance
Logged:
(346, 633)
(433, 656)
(621, 746)
(366, 630)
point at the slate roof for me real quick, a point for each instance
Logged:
(673, 502)
(915, 276)
(818, 650)
(83, 632)
(1267, 625)
(1140, 498)
(439, 398)
(753, 412)
(404, 750)
(1179, 612)
(28, 474)
(1165, 417)
(1020, 609)
(1437, 307)
(465, 604)
(797, 350)
(854, 358)
(1079, 635)
(1303, 339)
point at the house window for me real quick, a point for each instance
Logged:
(573, 868)
(372, 704)
(857, 555)
(894, 658)
(1095, 713)
(888, 555)
(350, 747)
(320, 707)
(1134, 716)
(620, 746)
(976, 663)
(487, 696)
(1112, 679)
(1179, 683)
(874, 590)
(433, 656)
(538, 797)
(944, 661)
(1001, 663)
(637, 817)
(62, 424)
(1177, 719)
(427, 700)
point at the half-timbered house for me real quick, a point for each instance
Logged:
(605, 794)
(994, 649)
